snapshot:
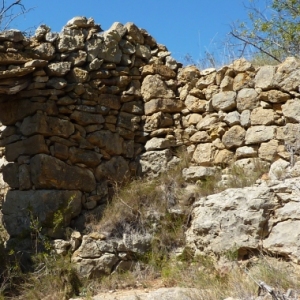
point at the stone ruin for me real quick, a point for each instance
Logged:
(83, 109)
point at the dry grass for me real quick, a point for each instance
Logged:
(233, 279)
(53, 278)
(236, 177)
(140, 203)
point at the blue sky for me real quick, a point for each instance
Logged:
(184, 26)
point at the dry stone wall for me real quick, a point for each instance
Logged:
(84, 109)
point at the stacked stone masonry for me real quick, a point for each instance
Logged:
(84, 109)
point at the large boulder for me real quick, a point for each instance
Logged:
(261, 218)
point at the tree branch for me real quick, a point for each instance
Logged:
(254, 45)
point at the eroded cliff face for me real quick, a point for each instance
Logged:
(82, 110)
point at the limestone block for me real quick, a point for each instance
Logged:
(87, 157)
(66, 100)
(264, 78)
(162, 70)
(171, 63)
(44, 51)
(154, 87)
(224, 101)
(154, 163)
(259, 134)
(57, 83)
(245, 152)
(234, 137)
(200, 137)
(247, 98)
(291, 110)
(70, 40)
(287, 75)
(157, 144)
(12, 35)
(93, 47)
(51, 37)
(16, 110)
(163, 105)
(267, 151)
(112, 143)
(16, 72)
(241, 81)
(47, 126)
(33, 145)
(21, 207)
(245, 118)
(226, 84)
(217, 130)
(37, 63)
(48, 172)
(278, 169)
(95, 64)
(119, 28)
(12, 58)
(134, 107)
(11, 175)
(134, 32)
(232, 118)
(274, 96)
(191, 119)
(85, 118)
(116, 170)
(194, 104)
(110, 50)
(109, 100)
(284, 239)
(143, 51)
(24, 177)
(78, 75)
(128, 148)
(78, 22)
(60, 151)
(223, 157)
(195, 173)
(11, 86)
(206, 80)
(158, 120)
(61, 247)
(289, 133)
(127, 47)
(128, 121)
(188, 74)
(204, 154)
(242, 65)
(78, 59)
(207, 122)
(260, 116)
(59, 69)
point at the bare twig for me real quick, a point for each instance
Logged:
(254, 45)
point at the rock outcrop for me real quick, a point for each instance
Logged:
(260, 219)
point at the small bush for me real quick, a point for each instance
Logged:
(53, 278)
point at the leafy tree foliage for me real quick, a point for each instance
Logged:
(274, 32)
